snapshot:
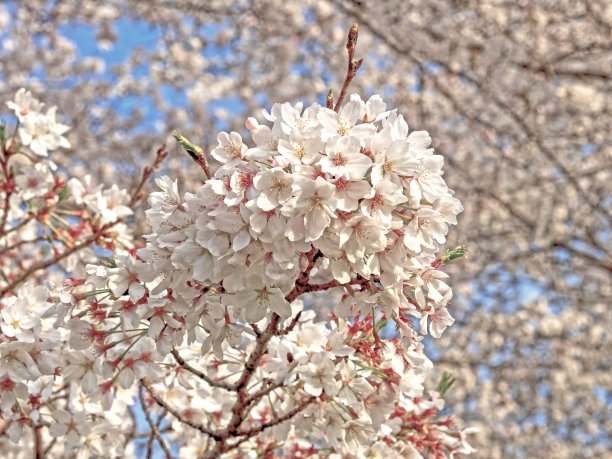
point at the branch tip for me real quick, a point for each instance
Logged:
(196, 152)
(329, 100)
(353, 64)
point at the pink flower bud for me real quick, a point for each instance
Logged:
(252, 125)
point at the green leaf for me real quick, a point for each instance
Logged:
(446, 381)
(380, 325)
(457, 252)
(109, 262)
(63, 194)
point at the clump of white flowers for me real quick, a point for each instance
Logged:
(40, 132)
(355, 190)
(206, 324)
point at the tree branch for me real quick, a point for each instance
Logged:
(160, 155)
(178, 415)
(155, 433)
(199, 374)
(353, 65)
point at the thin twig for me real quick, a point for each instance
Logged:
(155, 433)
(353, 65)
(329, 100)
(9, 186)
(587, 256)
(48, 448)
(37, 443)
(160, 155)
(245, 435)
(178, 415)
(291, 325)
(199, 374)
(91, 239)
(21, 242)
(146, 434)
(263, 392)
(29, 217)
(17, 280)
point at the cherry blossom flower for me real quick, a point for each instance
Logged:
(24, 104)
(310, 209)
(257, 299)
(319, 375)
(344, 159)
(70, 426)
(275, 187)
(230, 148)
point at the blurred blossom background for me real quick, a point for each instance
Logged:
(516, 96)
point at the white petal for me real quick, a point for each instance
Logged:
(315, 222)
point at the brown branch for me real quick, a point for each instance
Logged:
(291, 325)
(241, 405)
(146, 434)
(329, 100)
(594, 260)
(255, 357)
(37, 443)
(48, 448)
(58, 257)
(22, 223)
(301, 283)
(5, 209)
(160, 155)
(302, 286)
(256, 430)
(551, 71)
(18, 243)
(178, 415)
(155, 433)
(353, 65)
(9, 187)
(255, 329)
(132, 434)
(263, 392)
(243, 401)
(199, 374)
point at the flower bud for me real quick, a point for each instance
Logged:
(303, 263)
(252, 125)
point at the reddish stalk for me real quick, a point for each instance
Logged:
(353, 64)
(37, 443)
(8, 185)
(159, 157)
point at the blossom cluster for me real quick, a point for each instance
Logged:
(354, 188)
(206, 324)
(39, 132)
